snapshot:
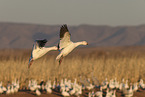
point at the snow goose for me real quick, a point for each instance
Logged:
(108, 93)
(48, 90)
(90, 86)
(2, 88)
(141, 84)
(16, 85)
(39, 50)
(78, 90)
(42, 84)
(135, 87)
(126, 85)
(66, 45)
(105, 82)
(91, 94)
(111, 84)
(38, 93)
(64, 93)
(99, 93)
(12, 89)
(8, 90)
(33, 85)
(48, 87)
(114, 94)
(54, 85)
(121, 85)
(128, 93)
(117, 84)
(72, 91)
(15, 90)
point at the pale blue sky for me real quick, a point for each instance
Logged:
(74, 12)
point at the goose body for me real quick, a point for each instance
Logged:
(12, 89)
(48, 90)
(141, 84)
(114, 94)
(39, 50)
(72, 91)
(66, 45)
(1, 90)
(125, 86)
(108, 93)
(111, 84)
(33, 85)
(8, 90)
(38, 93)
(15, 90)
(128, 93)
(90, 86)
(64, 93)
(135, 87)
(99, 93)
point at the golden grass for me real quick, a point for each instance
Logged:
(119, 62)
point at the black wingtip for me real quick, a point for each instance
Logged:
(41, 43)
(63, 30)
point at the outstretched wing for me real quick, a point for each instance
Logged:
(64, 37)
(41, 43)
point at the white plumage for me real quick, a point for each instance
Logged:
(38, 93)
(66, 45)
(8, 90)
(2, 88)
(64, 93)
(99, 93)
(128, 93)
(39, 50)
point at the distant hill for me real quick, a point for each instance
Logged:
(15, 35)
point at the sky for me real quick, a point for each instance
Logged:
(74, 12)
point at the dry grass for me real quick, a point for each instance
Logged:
(120, 62)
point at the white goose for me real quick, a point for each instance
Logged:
(8, 90)
(12, 89)
(2, 88)
(128, 93)
(39, 50)
(73, 90)
(66, 45)
(38, 93)
(99, 93)
(108, 93)
(135, 87)
(64, 93)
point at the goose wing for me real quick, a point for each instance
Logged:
(64, 37)
(41, 43)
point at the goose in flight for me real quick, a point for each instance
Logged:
(39, 50)
(65, 45)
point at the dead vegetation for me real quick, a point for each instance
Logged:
(111, 62)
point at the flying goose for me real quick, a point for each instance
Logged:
(39, 50)
(65, 45)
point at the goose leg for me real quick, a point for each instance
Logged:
(30, 63)
(60, 60)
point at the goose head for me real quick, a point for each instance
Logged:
(84, 43)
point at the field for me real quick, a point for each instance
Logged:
(82, 63)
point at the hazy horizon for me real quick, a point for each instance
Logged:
(93, 12)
